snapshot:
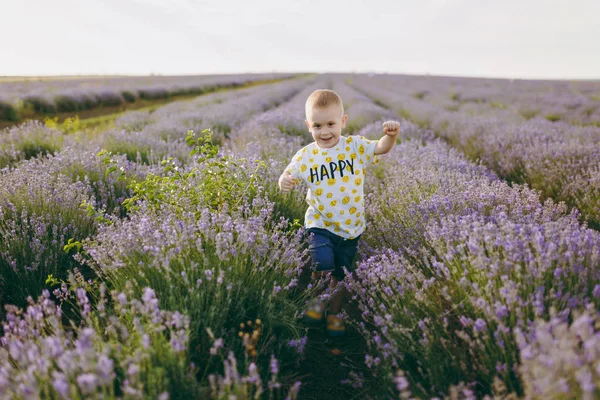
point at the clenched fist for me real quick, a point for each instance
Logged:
(286, 182)
(391, 128)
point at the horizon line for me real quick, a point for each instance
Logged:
(374, 72)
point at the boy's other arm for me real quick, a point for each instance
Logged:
(391, 129)
(286, 182)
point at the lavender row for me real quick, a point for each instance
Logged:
(462, 270)
(124, 347)
(54, 96)
(557, 158)
(45, 203)
(575, 102)
(162, 134)
(146, 137)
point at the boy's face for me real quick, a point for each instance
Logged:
(325, 125)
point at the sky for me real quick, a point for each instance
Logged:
(536, 39)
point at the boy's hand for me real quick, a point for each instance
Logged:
(391, 128)
(286, 182)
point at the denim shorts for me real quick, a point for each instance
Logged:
(330, 252)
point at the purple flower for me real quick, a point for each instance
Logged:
(298, 344)
(401, 383)
(274, 365)
(87, 383)
(464, 321)
(60, 384)
(479, 325)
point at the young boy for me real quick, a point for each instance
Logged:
(333, 168)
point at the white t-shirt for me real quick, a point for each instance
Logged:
(335, 180)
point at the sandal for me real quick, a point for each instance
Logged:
(315, 312)
(335, 326)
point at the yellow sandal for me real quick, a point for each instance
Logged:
(335, 326)
(315, 312)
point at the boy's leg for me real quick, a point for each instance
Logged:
(335, 325)
(345, 254)
(321, 252)
(322, 256)
(335, 303)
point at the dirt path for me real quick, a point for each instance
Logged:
(328, 361)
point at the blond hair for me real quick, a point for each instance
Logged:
(323, 98)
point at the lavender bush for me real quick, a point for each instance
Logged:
(124, 348)
(551, 148)
(39, 213)
(220, 262)
(459, 261)
(27, 141)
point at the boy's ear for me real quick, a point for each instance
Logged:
(307, 124)
(344, 119)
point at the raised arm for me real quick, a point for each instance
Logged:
(391, 129)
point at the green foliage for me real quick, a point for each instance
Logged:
(71, 244)
(129, 96)
(69, 125)
(528, 113)
(452, 107)
(420, 95)
(353, 127)
(203, 146)
(293, 131)
(291, 206)
(111, 164)
(381, 103)
(32, 149)
(39, 105)
(553, 117)
(498, 105)
(220, 181)
(67, 104)
(8, 112)
(222, 128)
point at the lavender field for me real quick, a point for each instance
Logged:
(22, 98)
(157, 259)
